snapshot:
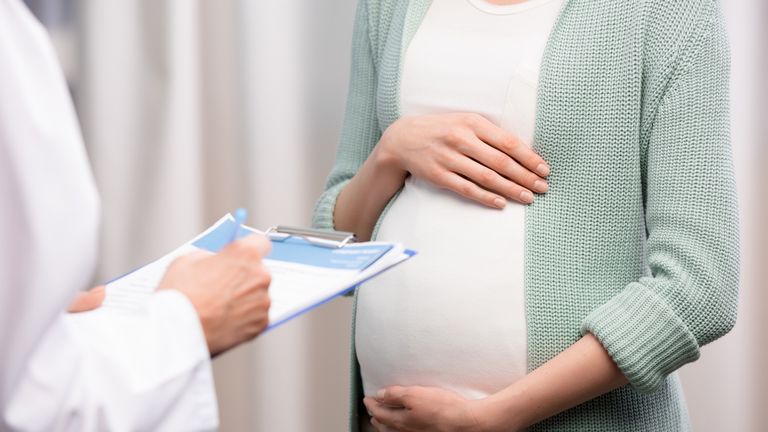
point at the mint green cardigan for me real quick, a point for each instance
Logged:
(637, 239)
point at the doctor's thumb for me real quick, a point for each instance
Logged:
(88, 300)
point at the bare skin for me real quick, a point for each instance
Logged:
(461, 152)
(87, 300)
(582, 372)
(228, 290)
(470, 156)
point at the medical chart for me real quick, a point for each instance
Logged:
(304, 275)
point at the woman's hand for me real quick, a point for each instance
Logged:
(467, 154)
(582, 372)
(412, 409)
(461, 152)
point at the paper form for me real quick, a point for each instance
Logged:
(303, 275)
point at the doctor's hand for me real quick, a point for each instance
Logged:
(228, 290)
(412, 409)
(88, 300)
(467, 154)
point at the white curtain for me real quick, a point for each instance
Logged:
(193, 108)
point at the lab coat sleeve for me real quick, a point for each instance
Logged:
(104, 370)
(84, 372)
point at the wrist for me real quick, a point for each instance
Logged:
(501, 412)
(386, 163)
(361, 201)
(385, 174)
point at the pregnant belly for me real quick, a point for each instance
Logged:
(454, 316)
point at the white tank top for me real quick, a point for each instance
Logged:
(454, 316)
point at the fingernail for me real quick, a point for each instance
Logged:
(499, 203)
(541, 186)
(526, 196)
(381, 393)
(542, 170)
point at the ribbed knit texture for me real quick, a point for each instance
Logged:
(637, 239)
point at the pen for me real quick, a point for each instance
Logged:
(240, 215)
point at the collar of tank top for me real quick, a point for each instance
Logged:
(506, 7)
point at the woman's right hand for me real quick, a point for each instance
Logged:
(467, 154)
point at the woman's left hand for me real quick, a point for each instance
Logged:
(413, 409)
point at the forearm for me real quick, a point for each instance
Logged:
(361, 202)
(582, 372)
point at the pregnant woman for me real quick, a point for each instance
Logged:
(563, 168)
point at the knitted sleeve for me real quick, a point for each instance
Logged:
(360, 131)
(657, 324)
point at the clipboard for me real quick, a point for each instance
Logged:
(309, 267)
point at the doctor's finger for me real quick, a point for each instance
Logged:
(254, 246)
(88, 300)
(187, 260)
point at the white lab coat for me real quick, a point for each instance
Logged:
(79, 372)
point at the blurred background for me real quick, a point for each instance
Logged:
(193, 108)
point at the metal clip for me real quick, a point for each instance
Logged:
(322, 238)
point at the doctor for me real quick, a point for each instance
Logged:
(95, 371)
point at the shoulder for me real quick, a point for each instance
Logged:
(680, 37)
(374, 11)
(675, 31)
(378, 17)
(673, 26)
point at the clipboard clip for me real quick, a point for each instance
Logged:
(321, 238)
